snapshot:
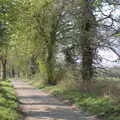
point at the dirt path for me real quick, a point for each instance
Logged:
(38, 105)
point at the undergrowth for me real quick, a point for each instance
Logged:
(8, 102)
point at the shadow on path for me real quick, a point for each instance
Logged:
(37, 105)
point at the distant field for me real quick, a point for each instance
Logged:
(109, 86)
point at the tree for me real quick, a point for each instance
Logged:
(87, 42)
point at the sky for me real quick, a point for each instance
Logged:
(108, 55)
(108, 58)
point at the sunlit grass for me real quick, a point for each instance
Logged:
(8, 102)
(102, 106)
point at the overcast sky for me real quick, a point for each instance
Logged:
(108, 55)
(109, 58)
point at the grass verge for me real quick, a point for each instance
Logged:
(8, 102)
(104, 107)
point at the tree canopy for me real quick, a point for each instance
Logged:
(44, 37)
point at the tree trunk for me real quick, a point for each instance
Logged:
(33, 66)
(51, 57)
(13, 72)
(51, 64)
(4, 69)
(88, 33)
(0, 70)
(87, 68)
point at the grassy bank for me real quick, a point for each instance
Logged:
(102, 106)
(8, 102)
